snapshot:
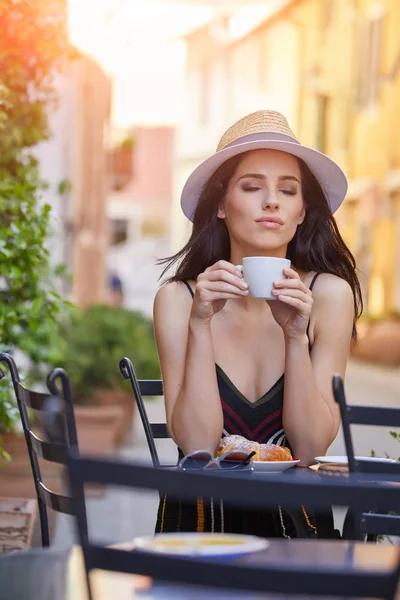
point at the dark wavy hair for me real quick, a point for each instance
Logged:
(316, 246)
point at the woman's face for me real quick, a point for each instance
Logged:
(263, 205)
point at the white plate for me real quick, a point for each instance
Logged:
(201, 544)
(274, 466)
(342, 460)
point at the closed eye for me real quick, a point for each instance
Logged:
(291, 192)
(250, 188)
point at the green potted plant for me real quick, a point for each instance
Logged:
(30, 307)
(92, 346)
(122, 161)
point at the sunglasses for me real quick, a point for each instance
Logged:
(232, 460)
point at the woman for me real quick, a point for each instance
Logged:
(261, 194)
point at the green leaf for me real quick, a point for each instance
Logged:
(34, 46)
(94, 342)
(36, 307)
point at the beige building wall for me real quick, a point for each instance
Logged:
(145, 202)
(376, 153)
(333, 67)
(90, 181)
(226, 80)
(204, 115)
(373, 154)
(349, 109)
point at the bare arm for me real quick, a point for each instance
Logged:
(311, 416)
(185, 348)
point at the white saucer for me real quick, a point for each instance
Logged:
(342, 460)
(201, 544)
(274, 466)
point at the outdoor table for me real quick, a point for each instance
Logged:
(302, 474)
(316, 474)
(49, 574)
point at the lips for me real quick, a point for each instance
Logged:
(270, 222)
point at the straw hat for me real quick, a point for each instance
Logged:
(265, 129)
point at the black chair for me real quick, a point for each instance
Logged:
(299, 578)
(367, 523)
(53, 450)
(140, 388)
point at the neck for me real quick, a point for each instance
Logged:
(237, 253)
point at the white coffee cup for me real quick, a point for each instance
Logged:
(260, 272)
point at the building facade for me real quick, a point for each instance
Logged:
(142, 207)
(74, 161)
(333, 68)
(90, 170)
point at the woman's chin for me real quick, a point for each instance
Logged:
(266, 249)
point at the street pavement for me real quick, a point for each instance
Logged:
(121, 515)
(136, 264)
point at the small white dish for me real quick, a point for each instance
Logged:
(274, 466)
(200, 544)
(342, 460)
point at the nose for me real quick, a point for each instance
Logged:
(270, 202)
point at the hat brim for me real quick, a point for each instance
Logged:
(329, 175)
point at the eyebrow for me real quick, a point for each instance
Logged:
(260, 176)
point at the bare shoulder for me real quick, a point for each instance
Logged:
(173, 297)
(333, 302)
(332, 289)
(172, 306)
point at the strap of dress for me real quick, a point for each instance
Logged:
(313, 280)
(191, 292)
(308, 326)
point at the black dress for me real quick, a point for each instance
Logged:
(259, 421)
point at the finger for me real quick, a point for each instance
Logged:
(221, 287)
(291, 273)
(295, 302)
(222, 275)
(226, 266)
(293, 293)
(292, 283)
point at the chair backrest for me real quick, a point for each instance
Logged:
(368, 415)
(285, 491)
(29, 401)
(141, 388)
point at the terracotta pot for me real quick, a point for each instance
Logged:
(123, 162)
(380, 344)
(98, 429)
(16, 476)
(123, 399)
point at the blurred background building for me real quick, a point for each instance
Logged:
(139, 211)
(75, 163)
(135, 119)
(331, 66)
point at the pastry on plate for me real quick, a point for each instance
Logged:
(263, 452)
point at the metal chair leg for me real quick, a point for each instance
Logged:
(44, 523)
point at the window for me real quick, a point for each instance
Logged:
(369, 58)
(327, 13)
(119, 231)
(265, 59)
(322, 125)
(204, 95)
